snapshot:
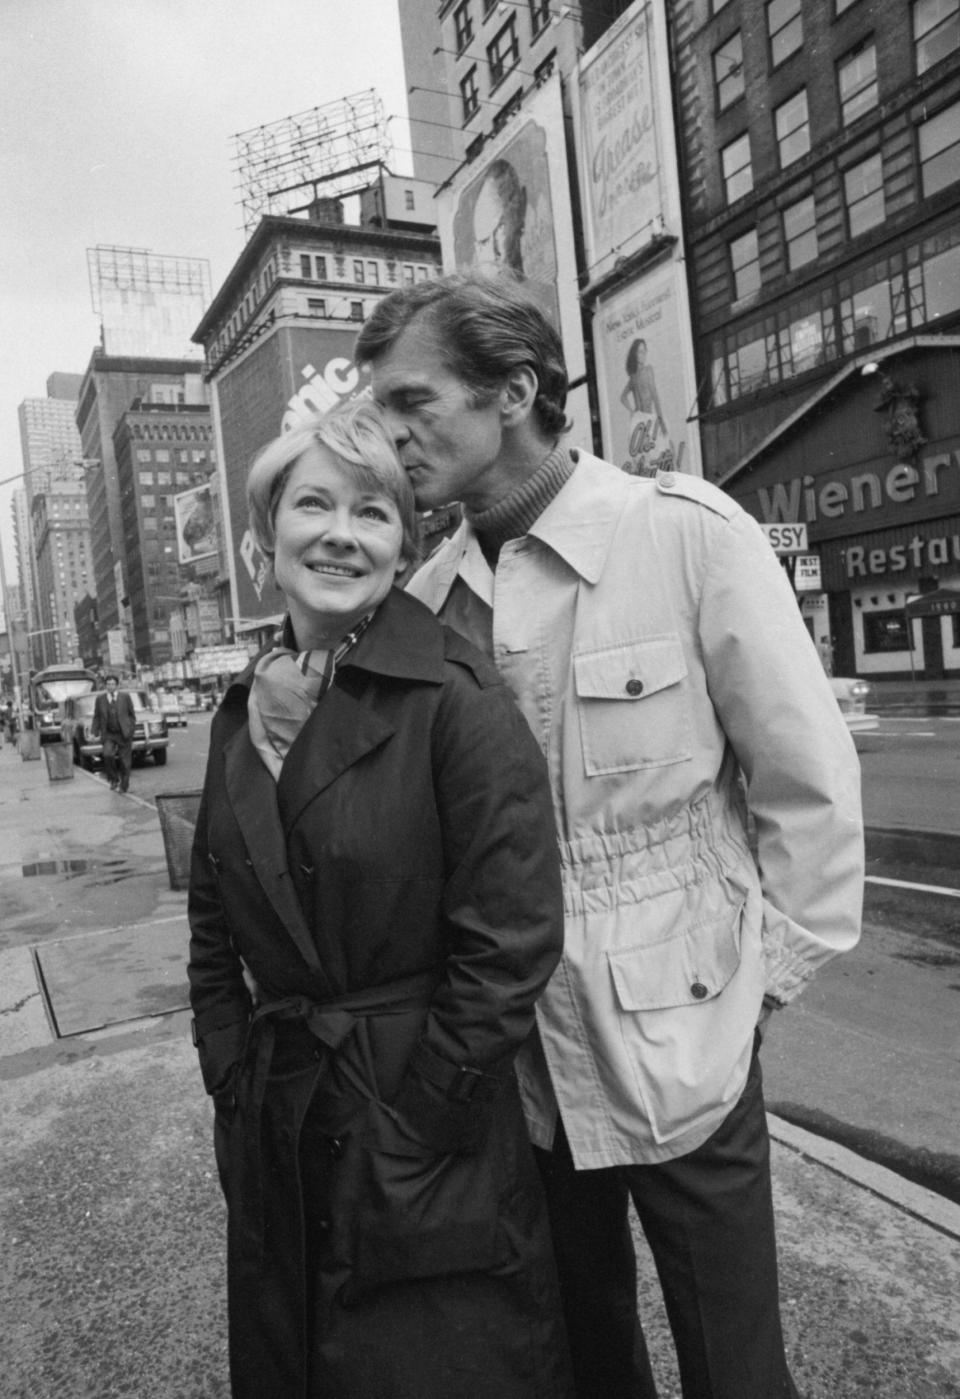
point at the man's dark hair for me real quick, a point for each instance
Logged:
(487, 326)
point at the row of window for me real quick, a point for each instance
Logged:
(540, 16)
(503, 55)
(365, 271)
(936, 32)
(938, 151)
(939, 160)
(887, 297)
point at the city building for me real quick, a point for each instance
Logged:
(469, 64)
(52, 461)
(172, 443)
(279, 335)
(60, 531)
(820, 144)
(162, 450)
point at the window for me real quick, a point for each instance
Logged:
(736, 167)
(321, 263)
(863, 193)
(800, 232)
(792, 125)
(316, 305)
(936, 31)
(728, 71)
(885, 631)
(469, 96)
(373, 273)
(785, 28)
(544, 70)
(504, 53)
(940, 150)
(358, 270)
(356, 310)
(305, 265)
(858, 84)
(462, 25)
(409, 202)
(408, 274)
(540, 14)
(745, 265)
(941, 274)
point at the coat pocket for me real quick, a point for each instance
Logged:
(422, 1217)
(631, 704)
(684, 969)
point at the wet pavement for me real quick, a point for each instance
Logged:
(111, 1221)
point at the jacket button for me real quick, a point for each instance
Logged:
(335, 1147)
(634, 687)
(698, 990)
(667, 480)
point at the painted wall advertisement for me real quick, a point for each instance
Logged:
(510, 210)
(620, 127)
(644, 391)
(287, 376)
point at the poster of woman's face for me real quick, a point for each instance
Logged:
(504, 218)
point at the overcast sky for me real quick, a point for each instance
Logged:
(115, 126)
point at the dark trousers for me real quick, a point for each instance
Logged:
(708, 1218)
(117, 758)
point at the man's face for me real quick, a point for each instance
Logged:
(449, 445)
(111, 687)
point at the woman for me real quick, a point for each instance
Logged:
(375, 854)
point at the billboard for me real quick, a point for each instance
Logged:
(625, 147)
(510, 210)
(288, 375)
(196, 524)
(148, 303)
(644, 380)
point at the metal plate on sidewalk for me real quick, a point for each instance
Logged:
(100, 979)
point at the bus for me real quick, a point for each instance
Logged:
(46, 691)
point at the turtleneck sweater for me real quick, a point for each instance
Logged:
(512, 517)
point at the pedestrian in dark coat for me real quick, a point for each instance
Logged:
(113, 723)
(375, 856)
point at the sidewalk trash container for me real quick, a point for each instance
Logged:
(178, 817)
(29, 745)
(59, 758)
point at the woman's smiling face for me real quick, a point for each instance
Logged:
(337, 548)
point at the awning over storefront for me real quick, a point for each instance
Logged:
(941, 602)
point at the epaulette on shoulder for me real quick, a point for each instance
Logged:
(679, 483)
(456, 648)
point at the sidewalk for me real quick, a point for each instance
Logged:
(111, 1221)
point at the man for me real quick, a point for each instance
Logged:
(653, 642)
(113, 724)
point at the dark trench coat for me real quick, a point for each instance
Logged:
(396, 899)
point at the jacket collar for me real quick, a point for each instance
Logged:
(579, 523)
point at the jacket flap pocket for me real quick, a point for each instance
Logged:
(631, 670)
(679, 971)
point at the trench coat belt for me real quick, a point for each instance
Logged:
(331, 1022)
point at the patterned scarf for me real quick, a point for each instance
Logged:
(286, 687)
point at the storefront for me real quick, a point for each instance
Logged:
(871, 465)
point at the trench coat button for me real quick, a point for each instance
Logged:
(698, 990)
(634, 687)
(667, 480)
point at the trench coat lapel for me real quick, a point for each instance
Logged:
(253, 796)
(340, 731)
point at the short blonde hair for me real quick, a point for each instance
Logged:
(357, 436)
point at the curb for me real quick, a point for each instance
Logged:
(924, 1205)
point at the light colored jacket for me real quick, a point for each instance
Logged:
(657, 651)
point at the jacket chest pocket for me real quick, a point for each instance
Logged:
(632, 706)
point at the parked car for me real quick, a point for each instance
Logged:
(168, 703)
(151, 736)
(853, 697)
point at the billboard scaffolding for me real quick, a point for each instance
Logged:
(282, 166)
(148, 303)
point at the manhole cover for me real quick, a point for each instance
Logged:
(100, 979)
